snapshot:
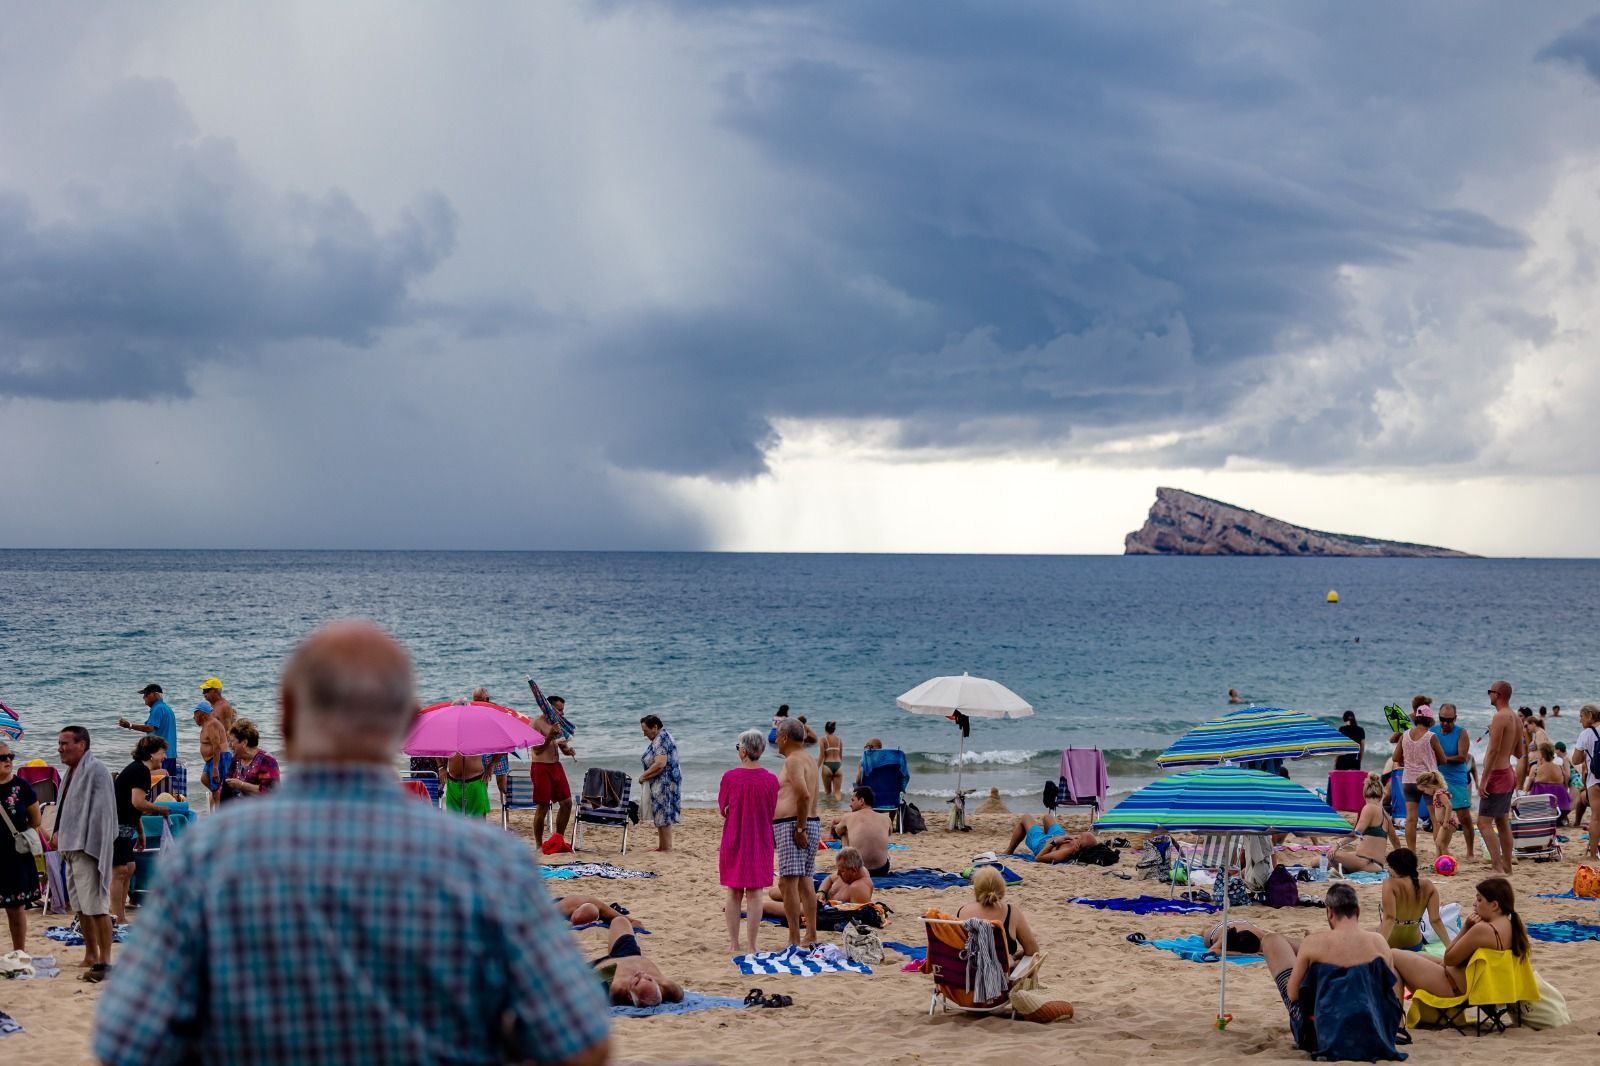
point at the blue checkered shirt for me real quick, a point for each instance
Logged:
(340, 921)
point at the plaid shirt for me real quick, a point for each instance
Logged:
(346, 922)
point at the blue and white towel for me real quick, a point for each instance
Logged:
(8, 1024)
(69, 935)
(692, 1001)
(837, 844)
(570, 870)
(799, 962)
(1569, 894)
(1364, 877)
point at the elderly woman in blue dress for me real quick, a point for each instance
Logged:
(661, 779)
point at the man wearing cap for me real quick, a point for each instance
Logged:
(161, 722)
(221, 709)
(214, 751)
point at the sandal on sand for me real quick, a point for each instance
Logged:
(754, 997)
(97, 973)
(620, 909)
(775, 1000)
(1136, 938)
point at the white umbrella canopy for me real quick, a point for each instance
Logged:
(974, 697)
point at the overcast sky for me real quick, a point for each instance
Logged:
(796, 276)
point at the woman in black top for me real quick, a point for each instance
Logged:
(133, 803)
(19, 876)
(1357, 734)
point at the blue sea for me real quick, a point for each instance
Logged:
(1116, 652)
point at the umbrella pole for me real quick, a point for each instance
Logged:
(1230, 844)
(960, 811)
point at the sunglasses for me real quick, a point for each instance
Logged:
(7, 758)
(1446, 720)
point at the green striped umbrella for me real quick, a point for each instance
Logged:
(1256, 733)
(1223, 799)
(1228, 802)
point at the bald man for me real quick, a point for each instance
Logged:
(1507, 743)
(366, 910)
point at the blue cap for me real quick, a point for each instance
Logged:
(202, 707)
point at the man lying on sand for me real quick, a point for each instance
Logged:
(586, 910)
(1047, 839)
(865, 830)
(632, 979)
(849, 883)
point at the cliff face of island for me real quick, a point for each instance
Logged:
(1182, 523)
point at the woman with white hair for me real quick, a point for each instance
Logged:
(746, 797)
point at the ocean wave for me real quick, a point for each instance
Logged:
(977, 795)
(1002, 757)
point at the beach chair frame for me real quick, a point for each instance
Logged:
(603, 800)
(429, 781)
(941, 998)
(519, 797)
(886, 780)
(1534, 820)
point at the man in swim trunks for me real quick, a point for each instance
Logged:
(865, 830)
(1506, 743)
(586, 910)
(796, 833)
(1455, 771)
(215, 754)
(499, 763)
(1035, 832)
(631, 979)
(549, 779)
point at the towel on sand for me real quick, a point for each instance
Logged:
(1363, 877)
(837, 844)
(922, 877)
(799, 962)
(1193, 949)
(588, 869)
(8, 1024)
(907, 950)
(1146, 905)
(1569, 894)
(69, 935)
(607, 925)
(1567, 932)
(692, 1001)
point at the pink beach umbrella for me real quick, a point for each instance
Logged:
(10, 724)
(470, 729)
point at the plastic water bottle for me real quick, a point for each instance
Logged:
(1322, 867)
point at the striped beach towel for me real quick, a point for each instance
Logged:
(570, 870)
(799, 962)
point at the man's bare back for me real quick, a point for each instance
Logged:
(797, 786)
(868, 832)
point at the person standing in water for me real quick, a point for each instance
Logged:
(831, 755)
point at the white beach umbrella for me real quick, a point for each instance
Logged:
(975, 697)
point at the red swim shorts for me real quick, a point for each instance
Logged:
(550, 783)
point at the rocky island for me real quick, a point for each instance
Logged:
(1181, 523)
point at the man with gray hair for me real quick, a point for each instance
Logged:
(345, 921)
(86, 835)
(796, 833)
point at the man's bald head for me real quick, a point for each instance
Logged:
(348, 695)
(1500, 693)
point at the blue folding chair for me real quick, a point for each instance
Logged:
(429, 782)
(604, 802)
(519, 797)
(886, 772)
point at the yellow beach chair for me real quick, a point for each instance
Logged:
(1498, 984)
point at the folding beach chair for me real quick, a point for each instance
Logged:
(887, 773)
(949, 965)
(604, 801)
(1533, 828)
(1081, 781)
(429, 782)
(1498, 984)
(519, 797)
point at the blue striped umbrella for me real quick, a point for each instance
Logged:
(1224, 801)
(1254, 733)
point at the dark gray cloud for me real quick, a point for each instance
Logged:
(1044, 220)
(182, 257)
(1579, 46)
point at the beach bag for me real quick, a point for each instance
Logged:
(1051, 794)
(1282, 890)
(1586, 881)
(911, 819)
(1099, 855)
(1550, 1011)
(1155, 863)
(862, 944)
(19, 839)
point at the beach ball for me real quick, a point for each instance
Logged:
(1445, 865)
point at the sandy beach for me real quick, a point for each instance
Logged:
(1130, 1001)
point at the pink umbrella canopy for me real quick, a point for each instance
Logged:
(471, 729)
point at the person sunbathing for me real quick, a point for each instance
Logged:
(849, 883)
(1493, 924)
(1375, 829)
(586, 910)
(1344, 947)
(1243, 937)
(1047, 839)
(631, 979)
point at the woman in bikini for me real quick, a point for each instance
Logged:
(1375, 833)
(831, 756)
(1406, 898)
(1493, 925)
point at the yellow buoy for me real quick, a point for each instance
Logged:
(1333, 596)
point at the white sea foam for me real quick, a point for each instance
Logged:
(1002, 757)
